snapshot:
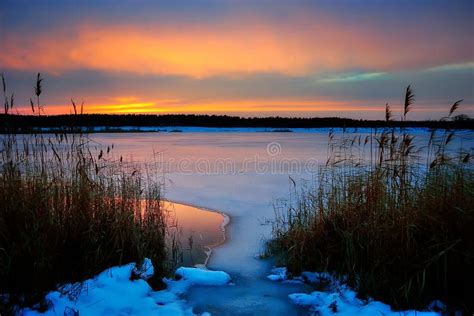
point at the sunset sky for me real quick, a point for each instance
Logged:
(236, 57)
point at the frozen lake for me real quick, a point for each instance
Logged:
(241, 174)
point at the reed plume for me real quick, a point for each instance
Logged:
(388, 113)
(454, 107)
(4, 86)
(38, 91)
(409, 100)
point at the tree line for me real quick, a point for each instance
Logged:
(32, 122)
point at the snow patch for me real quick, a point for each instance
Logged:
(146, 270)
(196, 276)
(338, 298)
(114, 292)
(278, 274)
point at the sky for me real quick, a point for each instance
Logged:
(249, 58)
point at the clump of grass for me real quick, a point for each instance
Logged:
(393, 217)
(69, 211)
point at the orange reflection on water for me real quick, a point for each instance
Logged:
(199, 230)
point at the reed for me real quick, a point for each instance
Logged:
(38, 90)
(392, 215)
(69, 210)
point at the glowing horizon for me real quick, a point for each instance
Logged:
(247, 108)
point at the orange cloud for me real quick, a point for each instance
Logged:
(239, 46)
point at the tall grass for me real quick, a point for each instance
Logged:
(69, 210)
(395, 217)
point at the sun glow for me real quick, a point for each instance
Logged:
(256, 106)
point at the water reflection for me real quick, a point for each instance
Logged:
(197, 230)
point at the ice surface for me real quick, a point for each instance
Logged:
(114, 293)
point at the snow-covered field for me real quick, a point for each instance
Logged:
(241, 174)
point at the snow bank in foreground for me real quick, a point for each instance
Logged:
(337, 299)
(113, 293)
(195, 276)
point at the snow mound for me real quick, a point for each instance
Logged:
(338, 298)
(203, 276)
(196, 276)
(123, 291)
(278, 274)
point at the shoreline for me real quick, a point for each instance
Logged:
(224, 224)
(222, 129)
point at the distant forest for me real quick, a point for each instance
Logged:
(30, 123)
